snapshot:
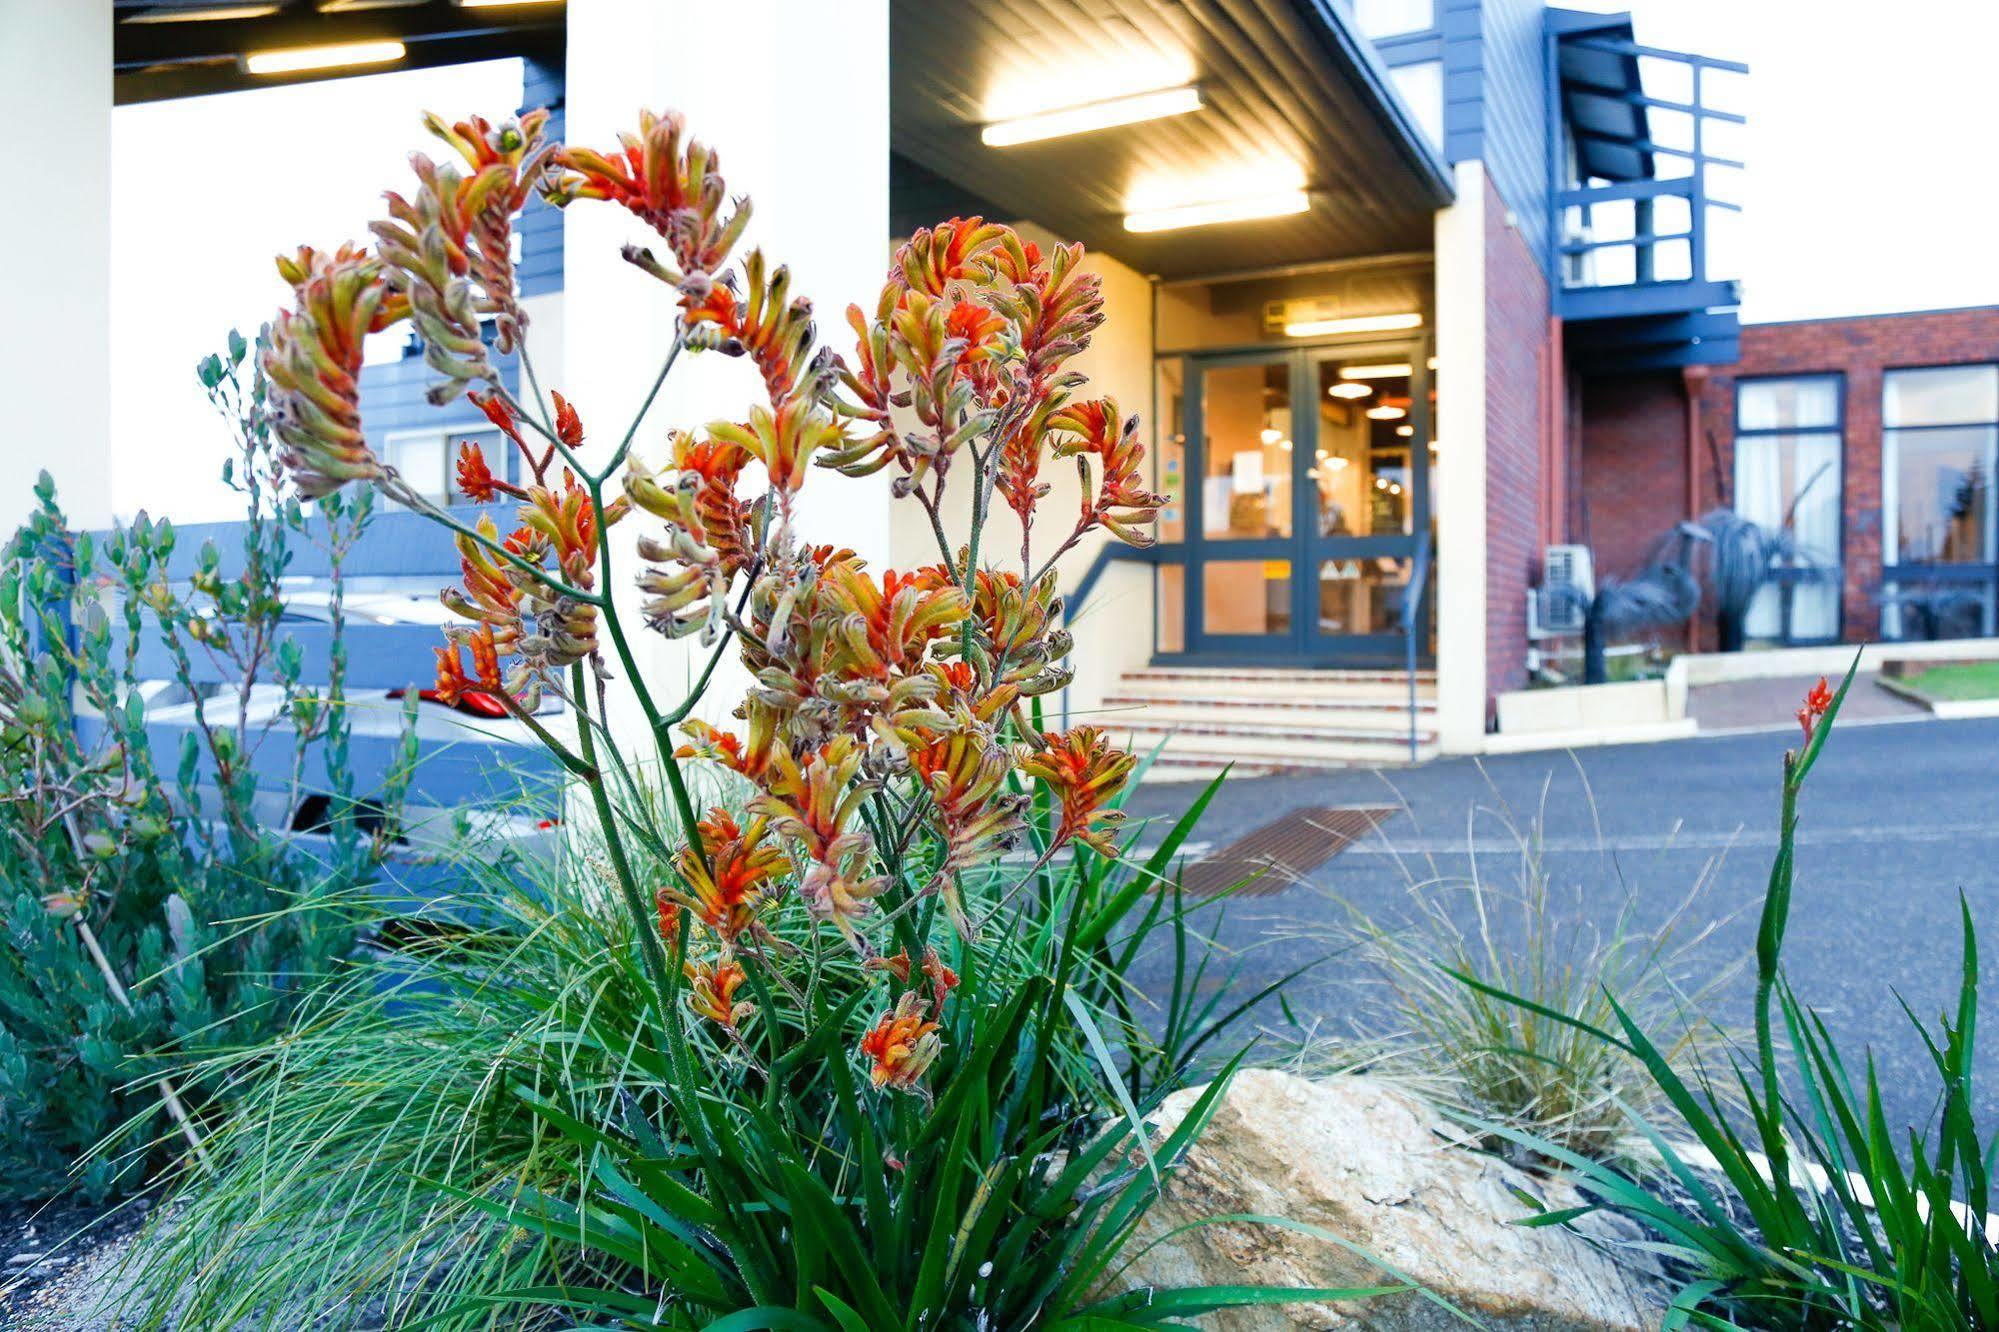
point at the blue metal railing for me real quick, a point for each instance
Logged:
(1412, 623)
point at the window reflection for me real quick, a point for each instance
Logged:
(1366, 427)
(1246, 467)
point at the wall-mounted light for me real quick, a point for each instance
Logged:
(1319, 328)
(1271, 434)
(1284, 444)
(1249, 208)
(1386, 370)
(298, 59)
(1405, 431)
(1349, 391)
(1386, 413)
(1113, 111)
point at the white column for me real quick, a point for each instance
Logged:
(1461, 534)
(55, 343)
(793, 95)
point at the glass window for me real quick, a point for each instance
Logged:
(1942, 484)
(1170, 450)
(1938, 453)
(1422, 88)
(1170, 608)
(1246, 597)
(428, 459)
(1787, 404)
(1391, 18)
(1787, 478)
(1947, 395)
(1246, 461)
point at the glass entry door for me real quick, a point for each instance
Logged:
(1308, 486)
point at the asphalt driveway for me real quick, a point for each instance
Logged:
(1897, 820)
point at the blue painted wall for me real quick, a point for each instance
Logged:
(541, 223)
(1495, 97)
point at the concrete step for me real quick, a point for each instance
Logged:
(1303, 675)
(1280, 750)
(1311, 713)
(1276, 687)
(1328, 721)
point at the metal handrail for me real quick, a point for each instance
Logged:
(1107, 553)
(1412, 606)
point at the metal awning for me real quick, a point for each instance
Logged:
(1282, 82)
(1601, 94)
(188, 48)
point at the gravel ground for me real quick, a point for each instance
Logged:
(61, 1263)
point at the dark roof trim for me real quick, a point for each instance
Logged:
(1355, 54)
(1927, 311)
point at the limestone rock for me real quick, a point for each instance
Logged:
(1379, 1168)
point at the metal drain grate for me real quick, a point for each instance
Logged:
(1281, 852)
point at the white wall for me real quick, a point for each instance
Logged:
(1460, 505)
(55, 338)
(1114, 628)
(794, 97)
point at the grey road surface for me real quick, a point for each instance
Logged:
(1898, 819)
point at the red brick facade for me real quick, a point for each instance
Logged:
(1518, 354)
(1636, 476)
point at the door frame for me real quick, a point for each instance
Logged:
(1304, 644)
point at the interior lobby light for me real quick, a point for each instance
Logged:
(1386, 413)
(1318, 328)
(297, 59)
(1405, 430)
(1271, 434)
(1349, 390)
(1398, 370)
(1112, 111)
(1246, 209)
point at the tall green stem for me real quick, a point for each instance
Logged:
(650, 950)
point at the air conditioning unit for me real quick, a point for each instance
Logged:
(1568, 582)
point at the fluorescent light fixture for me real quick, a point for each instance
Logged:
(204, 14)
(1386, 413)
(1246, 209)
(1383, 371)
(1319, 328)
(1349, 391)
(1068, 120)
(299, 59)
(1405, 431)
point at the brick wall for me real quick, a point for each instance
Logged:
(1634, 442)
(1517, 332)
(1634, 465)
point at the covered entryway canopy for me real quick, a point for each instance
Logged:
(1291, 99)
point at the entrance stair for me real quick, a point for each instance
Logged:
(1262, 721)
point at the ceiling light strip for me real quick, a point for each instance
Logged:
(1132, 110)
(1284, 203)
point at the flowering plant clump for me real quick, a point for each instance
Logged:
(897, 789)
